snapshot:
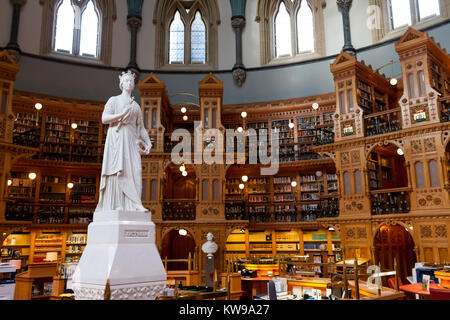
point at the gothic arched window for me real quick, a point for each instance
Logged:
(176, 40)
(291, 29)
(409, 12)
(282, 34)
(78, 28)
(305, 28)
(186, 34)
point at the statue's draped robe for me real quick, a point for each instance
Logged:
(121, 179)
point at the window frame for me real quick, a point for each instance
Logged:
(267, 12)
(384, 19)
(162, 18)
(80, 8)
(107, 14)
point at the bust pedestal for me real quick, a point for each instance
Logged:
(120, 247)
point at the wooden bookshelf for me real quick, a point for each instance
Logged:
(284, 199)
(267, 243)
(75, 244)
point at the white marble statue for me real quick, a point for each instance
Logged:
(209, 247)
(126, 140)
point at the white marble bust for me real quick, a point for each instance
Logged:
(209, 247)
(126, 140)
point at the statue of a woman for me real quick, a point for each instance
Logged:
(126, 140)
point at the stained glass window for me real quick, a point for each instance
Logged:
(428, 8)
(305, 28)
(400, 13)
(89, 31)
(176, 40)
(65, 23)
(282, 31)
(198, 40)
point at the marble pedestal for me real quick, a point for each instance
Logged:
(120, 247)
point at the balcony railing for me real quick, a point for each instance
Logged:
(39, 213)
(179, 209)
(392, 201)
(383, 122)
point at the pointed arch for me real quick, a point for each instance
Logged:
(282, 31)
(388, 19)
(106, 15)
(176, 39)
(267, 11)
(210, 18)
(89, 30)
(305, 28)
(64, 25)
(198, 39)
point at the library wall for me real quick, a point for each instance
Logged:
(357, 240)
(427, 166)
(432, 240)
(353, 185)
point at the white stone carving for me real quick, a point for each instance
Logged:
(126, 140)
(121, 239)
(209, 247)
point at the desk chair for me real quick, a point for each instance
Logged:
(272, 290)
(391, 282)
(439, 294)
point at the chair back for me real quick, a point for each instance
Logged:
(272, 290)
(439, 294)
(391, 282)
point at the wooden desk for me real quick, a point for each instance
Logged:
(308, 282)
(235, 285)
(254, 286)
(187, 278)
(24, 281)
(416, 288)
(366, 293)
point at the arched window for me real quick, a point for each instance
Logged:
(77, 26)
(420, 180)
(305, 28)
(347, 183)
(282, 31)
(154, 190)
(65, 23)
(176, 40)
(81, 28)
(205, 190)
(198, 40)
(186, 34)
(291, 29)
(404, 13)
(358, 182)
(216, 190)
(434, 174)
(394, 16)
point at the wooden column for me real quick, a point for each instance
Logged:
(247, 244)
(300, 242)
(329, 242)
(274, 242)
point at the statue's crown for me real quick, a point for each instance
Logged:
(128, 74)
